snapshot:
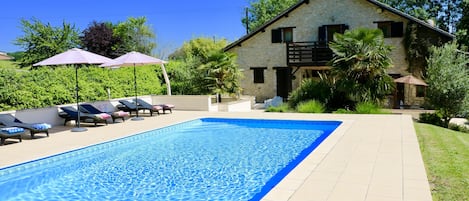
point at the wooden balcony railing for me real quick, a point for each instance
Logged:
(308, 54)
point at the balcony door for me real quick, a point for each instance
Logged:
(326, 32)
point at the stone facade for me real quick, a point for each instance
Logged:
(258, 51)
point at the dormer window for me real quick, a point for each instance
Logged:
(282, 35)
(391, 29)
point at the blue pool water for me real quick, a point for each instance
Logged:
(204, 159)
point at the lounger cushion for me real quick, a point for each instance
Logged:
(12, 130)
(167, 105)
(157, 107)
(42, 126)
(120, 114)
(103, 116)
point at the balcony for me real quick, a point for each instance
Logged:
(308, 54)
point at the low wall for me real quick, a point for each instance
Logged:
(182, 102)
(243, 105)
(40, 115)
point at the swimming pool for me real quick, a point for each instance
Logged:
(203, 159)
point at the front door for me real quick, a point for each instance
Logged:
(399, 98)
(284, 85)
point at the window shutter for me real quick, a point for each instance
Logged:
(322, 33)
(259, 75)
(276, 35)
(397, 29)
(343, 27)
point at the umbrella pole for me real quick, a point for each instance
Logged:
(77, 128)
(137, 118)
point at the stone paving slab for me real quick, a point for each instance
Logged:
(369, 157)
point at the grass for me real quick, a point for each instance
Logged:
(446, 157)
(311, 106)
(364, 108)
(369, 108)
(281, 108)
(8, 64)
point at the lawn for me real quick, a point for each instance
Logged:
(446, 157)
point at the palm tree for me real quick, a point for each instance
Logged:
(360, 63)
(221, 74)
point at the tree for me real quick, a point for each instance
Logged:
(449, 14)
(463, 25)
(184, 73)
(360, 63)
(445, 12)
(421, 9)
(221, 73)
(42, 41)
(262, 11)
(135, 36)
(447, 79)
(199, 48)
(100, 39)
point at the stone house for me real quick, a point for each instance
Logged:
(293, 46)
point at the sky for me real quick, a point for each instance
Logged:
(173, 22)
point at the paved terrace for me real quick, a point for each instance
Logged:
(369, 157)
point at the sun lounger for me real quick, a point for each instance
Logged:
(88, 108)
(166, 107)
(70, 113)
(147, 106)
(130, 107)
(10, 132)
(34, 128)
(157, 107)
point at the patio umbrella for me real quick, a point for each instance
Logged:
(411, 80)
(72, 57)
(138, 59)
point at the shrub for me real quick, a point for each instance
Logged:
(281, 108)
(368, 108)
(460, 128)
(324, 90)
(310, 90)
(312, 106)
(431, 118)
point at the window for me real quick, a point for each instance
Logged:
(258, 74)
(420, 91)
(282, 35)
(326, 32)
(391, 29)
(287, 35)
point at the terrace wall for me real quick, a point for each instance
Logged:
(182, 102)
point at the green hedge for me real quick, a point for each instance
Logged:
(48, 86)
